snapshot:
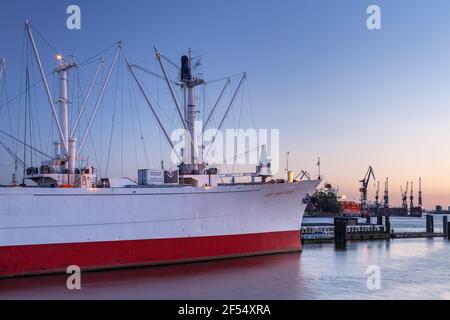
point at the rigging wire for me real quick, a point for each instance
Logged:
(44, 39)
(102, 114)
(99, 165)
(176, 66)
(159, 131)
(27, 79)
(236, 164)
(156, 75)
(21, 93)
(35, 109)
(112, 125)
(4, 95)
(141, 132)
(16, 146)
(121, 119)
(250, 101)
(234, 76)
(93, 58)
(133, 128)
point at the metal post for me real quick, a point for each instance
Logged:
(448, 230)
(340, 232)
(191, 111)
(72, 155)
(445, 225)
(430, 224)
(387, 224)
(63, 105)
(379, 218)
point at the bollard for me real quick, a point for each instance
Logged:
(340, 232)
(445, 225)
(430, 224)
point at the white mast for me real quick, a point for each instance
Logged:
(189, 82)
(63, 72)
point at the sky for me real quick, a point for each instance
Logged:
(336, 90)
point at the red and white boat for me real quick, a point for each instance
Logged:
(73, 218)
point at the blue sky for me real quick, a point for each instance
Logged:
(336, 90)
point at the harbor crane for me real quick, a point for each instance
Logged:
(365, 212)
(420, 193)
(411, 197)
(377, 205)
(386, 194)
(377, 196)
(386, 205)
(405, 196)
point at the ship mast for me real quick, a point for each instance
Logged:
(191, 163)
(63, 73)
(66, 150)
(189, 83)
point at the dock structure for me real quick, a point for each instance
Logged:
(410, 235)
(348, 229)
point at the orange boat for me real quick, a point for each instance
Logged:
(350, 207)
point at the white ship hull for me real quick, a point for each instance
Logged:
(46, 230)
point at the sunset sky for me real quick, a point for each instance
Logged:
(335, 89)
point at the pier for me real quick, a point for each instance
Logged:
(349, 229)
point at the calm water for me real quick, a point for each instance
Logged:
(410, 269)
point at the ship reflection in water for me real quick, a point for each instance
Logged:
(410, 269)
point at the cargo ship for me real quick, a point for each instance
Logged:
(72, 217)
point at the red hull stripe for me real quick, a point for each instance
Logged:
(55, 258)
